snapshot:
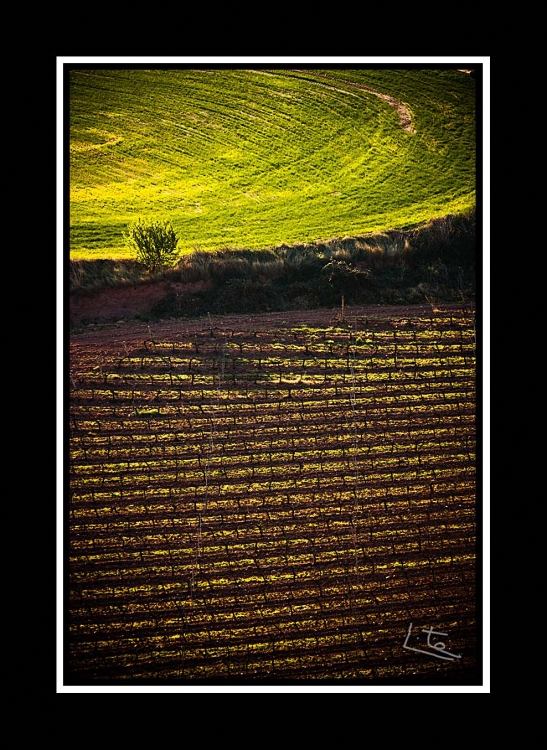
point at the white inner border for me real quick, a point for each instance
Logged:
(464, 62)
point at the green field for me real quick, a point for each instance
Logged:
(258, 158)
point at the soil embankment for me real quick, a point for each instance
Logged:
(110, 304)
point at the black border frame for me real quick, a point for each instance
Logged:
(477, 677)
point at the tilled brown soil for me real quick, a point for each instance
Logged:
(274, 498)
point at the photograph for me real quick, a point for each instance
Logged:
(273, 305)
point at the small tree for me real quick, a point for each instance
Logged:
(155, 243)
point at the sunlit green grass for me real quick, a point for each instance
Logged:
(250, 158)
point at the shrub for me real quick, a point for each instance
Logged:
(180, 306)
(339, 278)
(85, 275)
(242, 295)
(450, 239)
(301, 296)
(155, 243)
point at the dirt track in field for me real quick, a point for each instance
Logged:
(403, 112)
(278, 497)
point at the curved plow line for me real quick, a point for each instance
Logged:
(403, 112)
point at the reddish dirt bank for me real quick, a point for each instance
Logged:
(112, 304)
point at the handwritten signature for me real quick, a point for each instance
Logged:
(436, 649)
